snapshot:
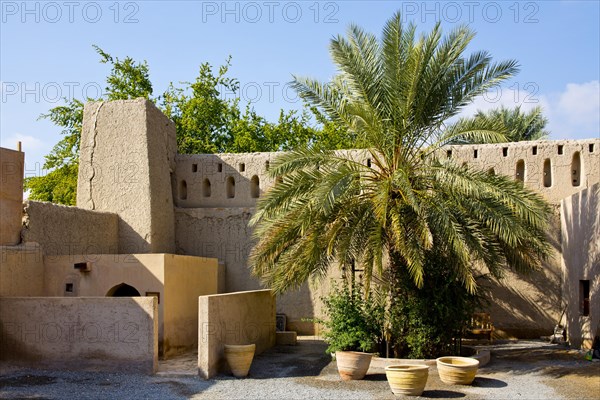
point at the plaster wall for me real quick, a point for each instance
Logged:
(233, 318)
(63, 230)
(177, 280)
(21, 271)
(186, 278)
(223, 233)
(549, 167)
(80, 333)
(126, 161)
(218, 169)
(580, 221)
(11, 196)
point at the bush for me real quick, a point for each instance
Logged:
(353, 323)
(426, 322)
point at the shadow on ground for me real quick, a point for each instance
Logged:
(307, 358)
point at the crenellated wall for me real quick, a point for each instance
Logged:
(556, 169)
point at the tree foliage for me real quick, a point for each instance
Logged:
(127, 80)
(396, 96)
(516, 125)
(205, 121)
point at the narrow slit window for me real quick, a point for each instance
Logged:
(576, 169)
(242, 167)
(504, 151)
(267, 165)
(230, 187)
(254, 187)
(449, 153)
(591, 148)
(206, 188)
(475, 155)
(194, 167)
(534, 150)
(369, 162)
(520, 171)
(219, 167)
(547, 173)
(183, 190)
(560, 149)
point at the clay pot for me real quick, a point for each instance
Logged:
(352, 365)
(457, 370)
(407, 380)
(239, 358)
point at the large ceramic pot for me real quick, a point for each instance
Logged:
(352, 365)
(457, 370)
(239, 358)
(407, 380)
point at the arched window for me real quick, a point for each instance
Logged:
(206, 192)
(230, 187)
(520, 171)
(254, 187)
(183, 190)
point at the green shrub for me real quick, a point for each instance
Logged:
(352, 321)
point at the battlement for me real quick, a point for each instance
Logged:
(556, 169)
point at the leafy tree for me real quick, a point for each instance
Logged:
(517, 125)
(396, 96)
(127, 80)
(205, 123)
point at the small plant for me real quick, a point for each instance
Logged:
(353, 322)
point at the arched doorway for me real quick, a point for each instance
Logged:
(123, 290)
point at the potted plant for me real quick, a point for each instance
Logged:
(352, 329)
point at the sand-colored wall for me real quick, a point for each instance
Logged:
(114, 334)
(63, 230)
(559, 154)
(125, 166)
(186, 278)
(580, 221)
(197, 169)
(223, 233)
(233, 318)
(145, 272)
(21, 271)
(11, 196)
(177, 279)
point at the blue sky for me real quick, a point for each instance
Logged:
(46, 52)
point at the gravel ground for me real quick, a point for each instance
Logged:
(522, 370)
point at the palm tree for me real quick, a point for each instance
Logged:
(409, 205)
(518, 125)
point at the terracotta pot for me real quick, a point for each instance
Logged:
(239, 358)
(457, 370)
(352, 365)
(407, 380)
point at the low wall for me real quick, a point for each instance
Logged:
(233, 318)
(186, 278)
(62, 230)
(115, 334)
(21, 271)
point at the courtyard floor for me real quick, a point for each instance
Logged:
(518, 370)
